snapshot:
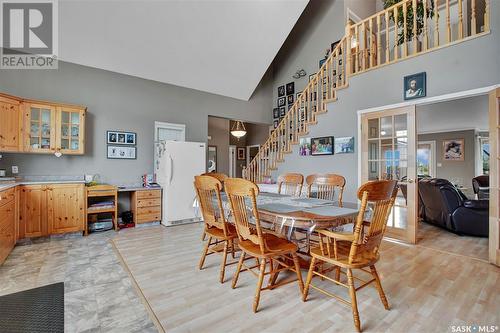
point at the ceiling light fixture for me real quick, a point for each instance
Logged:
(238, 130)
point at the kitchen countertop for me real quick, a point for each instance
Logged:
(38, 180)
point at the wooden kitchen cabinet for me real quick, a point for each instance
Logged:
(41, 127)
(70, 134)
(65, 208)
(10, 124)
(51, 209)
(32, 211)
(8, 217)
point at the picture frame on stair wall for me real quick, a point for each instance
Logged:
(276, 113)
(282, 112)
(281, 101)
(290, 88)
(281, 91)
(322, 146)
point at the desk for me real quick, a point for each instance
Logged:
(145, 203)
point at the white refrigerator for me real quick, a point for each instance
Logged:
(176, 164)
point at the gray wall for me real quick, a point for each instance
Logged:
(467, 65)
(321, 24)
(460, 172)
(257, 134)
(121, 102)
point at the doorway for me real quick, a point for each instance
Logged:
(388, 148)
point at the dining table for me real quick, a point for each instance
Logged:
(296, 218)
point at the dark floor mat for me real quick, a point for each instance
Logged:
(34, 310)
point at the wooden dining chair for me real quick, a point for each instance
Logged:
(266, 248)
(218, 230)
(358, 249)
(324, 186)
(220, 176)
(290, 184)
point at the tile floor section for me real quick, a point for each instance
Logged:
(99, 294)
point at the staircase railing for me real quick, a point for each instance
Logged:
(311, 102)
(404, 30)
(413, 27)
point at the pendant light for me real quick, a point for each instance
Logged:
(238, 129)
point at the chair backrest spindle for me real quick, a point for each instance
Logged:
(239, 192)
(290, 184)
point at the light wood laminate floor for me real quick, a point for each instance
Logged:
(428, 290)
(443, 240)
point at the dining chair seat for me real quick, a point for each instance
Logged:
(219, 233)
(274, 246)
(343, 249)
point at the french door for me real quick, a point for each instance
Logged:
(388, 151)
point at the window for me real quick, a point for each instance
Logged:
(426, 162)
(484, 152)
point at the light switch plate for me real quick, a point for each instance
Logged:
(15, 169)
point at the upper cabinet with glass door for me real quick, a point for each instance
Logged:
(39, 128)
(54, 128)
(71, 130)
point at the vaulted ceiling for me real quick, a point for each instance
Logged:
(218, 46)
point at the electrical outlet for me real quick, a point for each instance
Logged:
(15, 169)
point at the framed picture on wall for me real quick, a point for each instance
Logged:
(344, 145)
(321, 62)
(304, 146)
(281, 91)
(311, 76)
(282, 111)
(290, 88)
(297, 95)
(121, 152)
(281, 101)
(276, 113)
(241, 153)
(121, 138)
(453, 150)
(276, 123)
(415, 86)
(289, 99)
(322, 146)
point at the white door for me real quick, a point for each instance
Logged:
(232, 161)
(169, 131)
(180, 162)
(388, 152)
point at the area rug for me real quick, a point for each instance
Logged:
(35, 310)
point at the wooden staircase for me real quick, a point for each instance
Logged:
(374, 42)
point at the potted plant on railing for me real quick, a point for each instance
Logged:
(421, 16)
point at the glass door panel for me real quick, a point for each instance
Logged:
(389, 153)
(70, 127)
(41, 122)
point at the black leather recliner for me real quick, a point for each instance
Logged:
(447, 207)
(481, 186)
